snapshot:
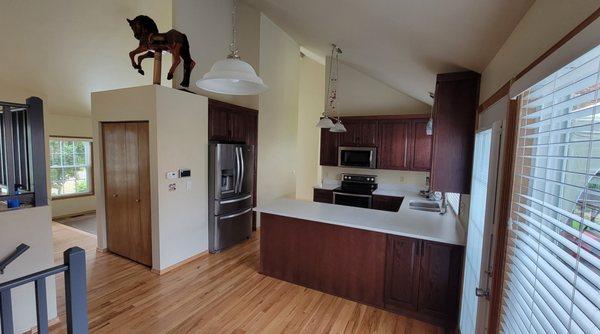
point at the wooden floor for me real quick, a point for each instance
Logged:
(221, 293)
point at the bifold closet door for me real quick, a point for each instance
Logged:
(127, 189)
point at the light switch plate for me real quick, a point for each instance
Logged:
(171, 175)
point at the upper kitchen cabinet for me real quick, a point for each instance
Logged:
(454, 113)
(393, 149)
(421, 146)
(231, 123)
(359, 133)
(329, 148)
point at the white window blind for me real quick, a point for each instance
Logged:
(454, 201)
(552, 281)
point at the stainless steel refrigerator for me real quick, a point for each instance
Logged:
(230, 180)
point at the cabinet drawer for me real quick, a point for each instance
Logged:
(323, 195)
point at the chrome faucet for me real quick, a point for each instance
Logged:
(444, 203)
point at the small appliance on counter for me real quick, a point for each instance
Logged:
(356, 190)
(230, 188)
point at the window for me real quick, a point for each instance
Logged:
(71, 167)
(552, 281)
(454, 201)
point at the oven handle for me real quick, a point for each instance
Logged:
(348, 194)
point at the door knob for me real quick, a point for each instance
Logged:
(137, 200)
(115, 195)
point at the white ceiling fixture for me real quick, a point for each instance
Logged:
(232, 76)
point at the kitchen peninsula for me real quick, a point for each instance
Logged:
(409, 262)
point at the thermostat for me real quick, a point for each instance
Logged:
(185, 173)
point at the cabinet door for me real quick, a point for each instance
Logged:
(393, 152)
(322, 195)
(402, 273)
(239, 123)
(421, 146)
(368, 134)
(440, 277)
(329, 148)
(350, 137)
(218, 124)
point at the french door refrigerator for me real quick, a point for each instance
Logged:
(230, 185)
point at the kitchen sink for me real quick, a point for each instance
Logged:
(425, 206)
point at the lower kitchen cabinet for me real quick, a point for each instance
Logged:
(387, 203)
(322, 195)
(423, 279)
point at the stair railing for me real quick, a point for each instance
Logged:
(22, 248)
(75, 295)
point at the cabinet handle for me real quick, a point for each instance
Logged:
(115, 195)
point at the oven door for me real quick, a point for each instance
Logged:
(361, 157)
(357, 200)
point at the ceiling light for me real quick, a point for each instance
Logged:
(338, 127)
(325, 123)
(232, 76)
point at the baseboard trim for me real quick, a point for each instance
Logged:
(102, 250)
(73, 215)
(51, 323)
(179, 264)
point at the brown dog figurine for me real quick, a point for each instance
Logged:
(173, 41)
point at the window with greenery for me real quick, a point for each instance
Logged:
(71, 167)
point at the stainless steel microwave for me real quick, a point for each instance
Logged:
(358, 157)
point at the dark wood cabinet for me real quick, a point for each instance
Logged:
(423, 277)
(387, 203)
(400, 140)
(421, 146)
(393, 150)
(218, 123)
(439, 280)
(322, 195)
(329, 148)
(402, 273)
(454, 115)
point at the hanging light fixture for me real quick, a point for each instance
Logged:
(232, 76)
(429, 126)
(330, 111)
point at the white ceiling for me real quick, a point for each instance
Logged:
(403, 43)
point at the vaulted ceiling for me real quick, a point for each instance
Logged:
(403, 43)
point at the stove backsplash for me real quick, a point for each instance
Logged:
(384, 177)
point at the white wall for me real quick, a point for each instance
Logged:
(278, 115)
(32, 227)
(310, 105)
(178, 139)
(207, 24)
(360, 94)
(544, 24)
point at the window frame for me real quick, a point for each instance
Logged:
(92, 191)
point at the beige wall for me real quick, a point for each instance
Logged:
(207, 23)
(310, 105)
(360, 94)
(544, 24)
(278, 115)
(31, 227)
(71, 126)
(176, 118)
(384, 177)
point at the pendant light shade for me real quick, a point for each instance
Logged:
(234, 77)
(325, 123)
(338, 127)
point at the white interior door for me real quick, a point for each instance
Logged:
(476, 280)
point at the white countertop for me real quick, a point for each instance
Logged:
(406, 222)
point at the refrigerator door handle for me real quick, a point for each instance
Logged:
(236, 214)
(243, 169)
(229, 201)
(237, 170)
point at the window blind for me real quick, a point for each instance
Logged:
(552, 280)
(454, 201)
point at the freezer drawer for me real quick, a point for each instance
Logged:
(232, 205)
(230, 229)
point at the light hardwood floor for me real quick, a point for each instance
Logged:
(221, 293)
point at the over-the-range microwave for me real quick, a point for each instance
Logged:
(358, 157)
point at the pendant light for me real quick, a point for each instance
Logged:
(232, 76)
(327, 119)
(429, 126)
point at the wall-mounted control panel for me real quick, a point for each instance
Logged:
(185, 173)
